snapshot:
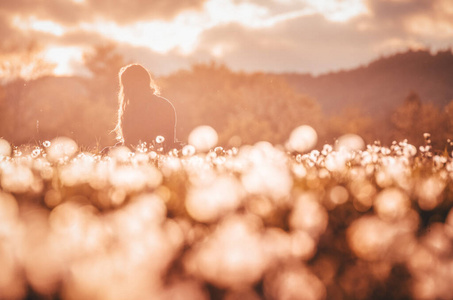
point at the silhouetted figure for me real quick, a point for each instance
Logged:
(143, 115)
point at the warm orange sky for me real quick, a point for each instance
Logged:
(252, 35)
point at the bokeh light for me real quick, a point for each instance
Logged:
(294, 282)
(253, 222)
(370, 238)
(5, 148)
(61, 148)
(309, 215)
(350, 142)
(232, 257)
(208, 201)
(203, 138)
(391, 204)
(302, 139)
(338, 195)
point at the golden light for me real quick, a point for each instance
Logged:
(337, 10)
(5, 148)
(203, 138)
(302, 139)
(427, 26)
(309, 215)
(34, 24)
(158, 36)
(65, 58)
(182, 33)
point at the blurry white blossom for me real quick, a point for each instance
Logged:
(203, 138)
(302, 139)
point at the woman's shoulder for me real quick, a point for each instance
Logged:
(163, 102)
(161, 99)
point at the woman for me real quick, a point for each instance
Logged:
(142, 114)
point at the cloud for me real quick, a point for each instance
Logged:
(402, 24)
(125, 11)
(315, 43)
(270, 35)
(396, 10)
(120, 11)
(73, 23)
(401, 14)
(437, 24)
(308, 44)
(65, 12)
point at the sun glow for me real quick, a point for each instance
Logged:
(425, 26)
(65, 58)
(34, 24)
(337, 10)
(182, 34)
(396, 44)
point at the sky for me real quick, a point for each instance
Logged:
(305, 36)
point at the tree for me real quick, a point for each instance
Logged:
(24, 64)
(252, 106)
(414, 118)
(104, 63)
(354, 120)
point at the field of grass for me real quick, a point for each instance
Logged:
(253, 222)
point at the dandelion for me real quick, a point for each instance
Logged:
(36, 152)
(142, 147)
(350, 142)
(308, 215)
(219, 151)
(427, 137)
(303, 246)
(17, 179)
(391, 204)
(429, 192)
(293, 281)
(5, 148)
(188, 150)
(120, 154)
(232, 257)
(209, 201)
(338, 195)
(302, 139)
(259, 221)
(203, 138)
(188, 289)
(370, 238)
(61, 148)
(268, 179)
(160, 139)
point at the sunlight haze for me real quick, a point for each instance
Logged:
(304, 36)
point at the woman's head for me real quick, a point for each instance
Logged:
(134, 77)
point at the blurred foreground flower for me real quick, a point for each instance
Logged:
(5, 148)
(302, 139)
(203, 138)
(260, 221)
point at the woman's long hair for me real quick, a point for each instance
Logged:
(133, 78)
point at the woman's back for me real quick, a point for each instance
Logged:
(147, 118)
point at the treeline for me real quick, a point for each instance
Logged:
(381, 86)
(243, 108)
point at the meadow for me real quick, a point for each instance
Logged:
(261, 221)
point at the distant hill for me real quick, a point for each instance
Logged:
(383, 84)
(49, 106)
